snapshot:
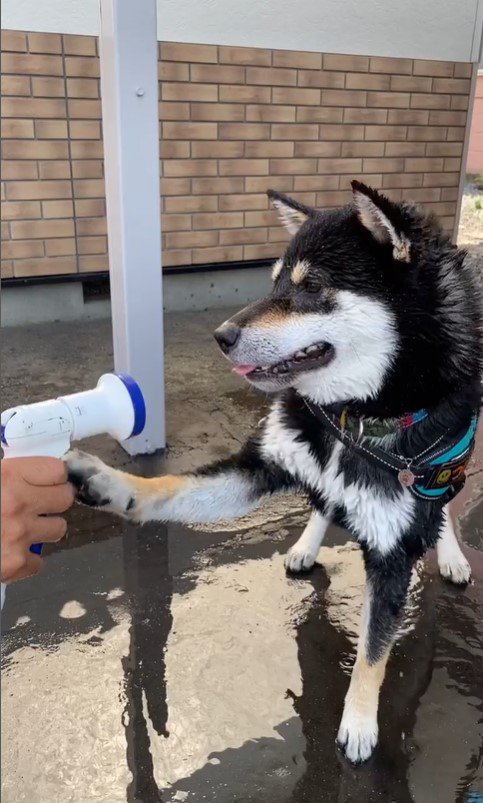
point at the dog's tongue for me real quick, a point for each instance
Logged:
(243, 370)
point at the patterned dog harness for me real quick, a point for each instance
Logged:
(435, 474)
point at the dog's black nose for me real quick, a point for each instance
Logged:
(227, 335)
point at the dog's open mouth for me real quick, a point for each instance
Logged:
(307, 359)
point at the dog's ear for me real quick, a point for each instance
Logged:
(382, 219)
(292, 214)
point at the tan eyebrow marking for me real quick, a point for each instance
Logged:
(300, 272)
(277, 268)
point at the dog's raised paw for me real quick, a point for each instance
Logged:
(358, 739)
(98, 485)
(298, 560)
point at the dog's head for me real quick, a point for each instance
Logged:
(349, 308)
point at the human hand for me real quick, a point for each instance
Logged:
(33, 488)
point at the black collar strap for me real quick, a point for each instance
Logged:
(418, 476)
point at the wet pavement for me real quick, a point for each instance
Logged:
(171, 664)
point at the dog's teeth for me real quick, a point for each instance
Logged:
(312, 349)
(299, 355)
(283, 368)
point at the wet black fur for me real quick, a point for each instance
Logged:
(437, 367)
(343, 255)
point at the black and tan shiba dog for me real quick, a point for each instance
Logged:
(370, 343)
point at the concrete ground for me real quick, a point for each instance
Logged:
(168, 664)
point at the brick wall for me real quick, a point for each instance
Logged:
(235, 121)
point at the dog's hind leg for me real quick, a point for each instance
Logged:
(451, 561)
(387, 582)
(301, 557)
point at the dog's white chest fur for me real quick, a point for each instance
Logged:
(372, 516)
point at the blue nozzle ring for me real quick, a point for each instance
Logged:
(138, 404)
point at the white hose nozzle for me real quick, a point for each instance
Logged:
(46, 429)
(115, 406)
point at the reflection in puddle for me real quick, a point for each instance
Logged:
(229, 663)
(451, 707)
(199, 671)
(60, 722)
(72, 610)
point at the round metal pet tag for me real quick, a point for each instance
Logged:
(406, 477)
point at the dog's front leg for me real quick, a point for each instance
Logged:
(387, 582)
(226, 489)
(301, 557)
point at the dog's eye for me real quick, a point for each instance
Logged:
(312, 286)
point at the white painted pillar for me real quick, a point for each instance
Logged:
(129, 89)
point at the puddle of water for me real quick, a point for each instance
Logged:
(198, 671)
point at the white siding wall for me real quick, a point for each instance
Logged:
(431, 29)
